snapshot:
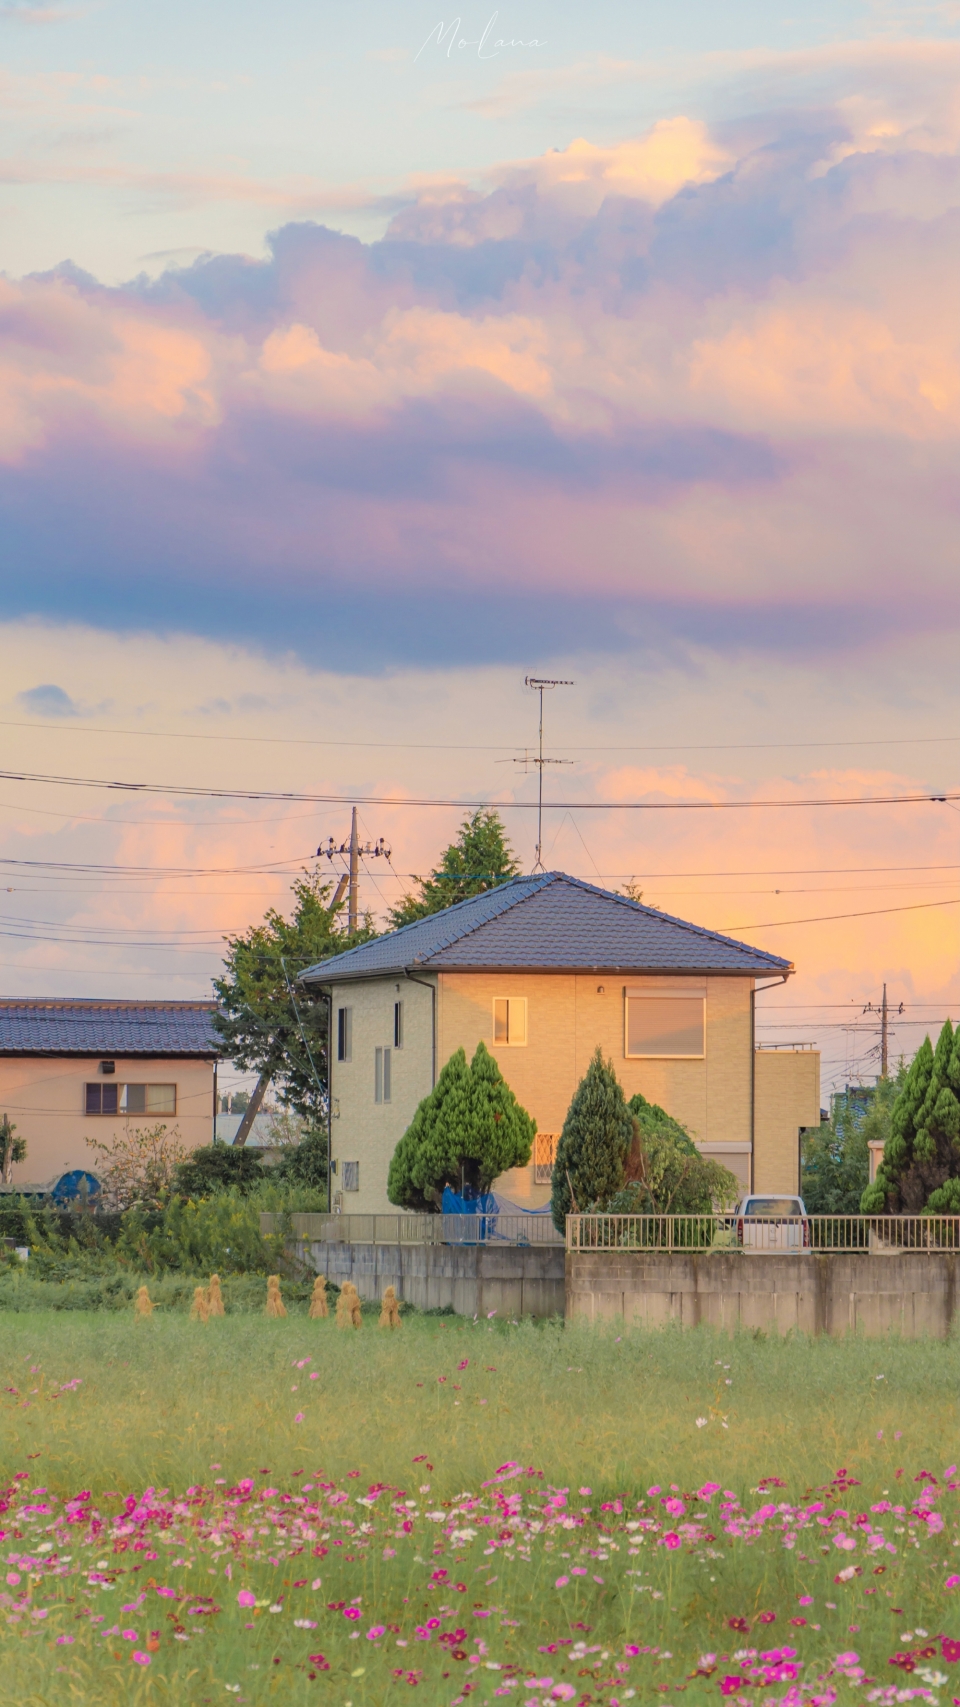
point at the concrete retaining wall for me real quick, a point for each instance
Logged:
(514, 1280)
(905, 1293)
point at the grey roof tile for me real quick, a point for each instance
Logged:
(78, 1027)
(554, 922)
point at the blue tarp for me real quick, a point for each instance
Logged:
(488, 1203)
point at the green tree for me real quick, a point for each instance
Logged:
(665, 1173)
(480, 858)
(594, 1143)
(469, 1130)
(835, 1157)
(270, 1024)
(922, 1157)
(12, 1149)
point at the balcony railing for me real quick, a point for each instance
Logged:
(878, 1235)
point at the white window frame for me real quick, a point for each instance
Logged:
(516, 1005)
(653, 995)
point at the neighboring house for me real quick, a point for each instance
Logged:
(544, 969)
(70, 1070)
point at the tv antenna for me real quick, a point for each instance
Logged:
(541, 685)
(352, 850)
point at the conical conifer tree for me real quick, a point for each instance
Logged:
(501, 1132)
(921, 1163)
(469, 1130)
(596, 1136)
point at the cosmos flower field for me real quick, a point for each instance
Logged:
(472, 1512)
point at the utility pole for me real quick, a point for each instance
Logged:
(540, 685)
(263, 1083)
(353, 851)
(884, 1011)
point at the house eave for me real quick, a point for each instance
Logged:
(602, 968)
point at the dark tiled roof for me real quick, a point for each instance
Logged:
(551, 922)
(107, 1028)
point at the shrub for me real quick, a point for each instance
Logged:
(215, 1166)
(665, 1173)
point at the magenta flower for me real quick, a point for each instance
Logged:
(951, 1582)
(62, 1641)
(139, 1658)
(561, 1582)
(562, 1692)
(351, 1612)
(246, 1598)
(299, 1417)
(671, 1540)
(730, 1685)
(129, 1635)
(375, 1632)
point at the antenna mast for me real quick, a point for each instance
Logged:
(540, 684)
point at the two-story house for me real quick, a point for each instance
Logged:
(544, 969)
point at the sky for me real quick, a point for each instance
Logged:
(358, 361)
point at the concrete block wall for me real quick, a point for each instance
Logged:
(906, 1293)
(514, 1280)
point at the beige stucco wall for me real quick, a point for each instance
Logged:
(567, 1017)
(787, 1097)
(362, 1130)
(44, 1097)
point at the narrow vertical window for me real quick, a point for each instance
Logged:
(398, 1025)
(510, 1019)
(92, 1104)
(386, 1074)
(378, 1055)
(344, 1034)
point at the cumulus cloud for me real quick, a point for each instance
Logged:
(691, 385)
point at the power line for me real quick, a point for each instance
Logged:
(190, 791)
(827, 918)
(64, 727)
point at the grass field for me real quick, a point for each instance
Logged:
(279, 1511)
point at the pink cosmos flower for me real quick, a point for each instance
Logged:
(807, 1599)
(562, 1692)
(632, 1649)
(129, 1635)
(62, 1641)
(730, 1685)
(671, 1540)
(13, 1577)
(351, 1612)
(139, 1658)
(299, 1417)
(561, 1582)
(246, 1598)
(375, 1632)
(951, 1582)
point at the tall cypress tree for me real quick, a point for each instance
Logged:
(921, 1162)
(469, 1130)
(596, 1136)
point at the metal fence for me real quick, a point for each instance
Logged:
(420, 1229)
(880, 1235)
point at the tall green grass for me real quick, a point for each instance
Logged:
(159, 1400)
